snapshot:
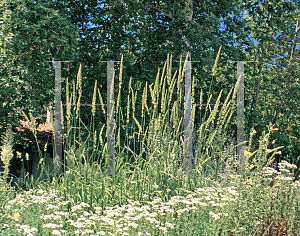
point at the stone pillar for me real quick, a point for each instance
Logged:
(49, 114)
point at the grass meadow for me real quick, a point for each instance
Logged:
(154, 196)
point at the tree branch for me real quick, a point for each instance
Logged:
(161, 10)
(256, 89)
(288, 70)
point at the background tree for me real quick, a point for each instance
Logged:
(28, 29)
(274, 78)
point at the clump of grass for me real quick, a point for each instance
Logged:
(6, 192)
(6, 151)
(153, 196)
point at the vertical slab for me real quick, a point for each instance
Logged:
(57, 160)
(240, 118)
(110, 119)
(35, 166)
(188, 152)
(188, 138)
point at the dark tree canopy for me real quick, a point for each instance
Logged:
(28, 29)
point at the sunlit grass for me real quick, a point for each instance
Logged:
(153, 196)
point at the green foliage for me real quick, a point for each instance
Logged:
(31, 34)
(271, 81)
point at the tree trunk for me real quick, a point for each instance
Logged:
(288, 72)
(256, 89)
(188, 7)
